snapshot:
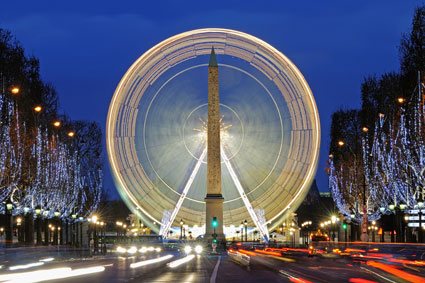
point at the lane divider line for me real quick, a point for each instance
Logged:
(214, 274)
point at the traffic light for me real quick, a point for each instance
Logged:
(344, 226)
(214, 222)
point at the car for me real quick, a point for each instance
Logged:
(317, 238)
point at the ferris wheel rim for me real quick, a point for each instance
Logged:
(132, 70)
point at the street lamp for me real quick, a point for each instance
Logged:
(71, 134)
(373, 229)
(57, 123)
(15, 90)
(38, 108)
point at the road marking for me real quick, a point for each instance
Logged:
(377, 274)
(293, 278)
(214, 274)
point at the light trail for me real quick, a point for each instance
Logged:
(25, 266)
(34, 275)
(396, 272)
(49, 274)
(267, 252)
(184, 193)
(47, 259)
(244, 197)
(150, 261)
(181, 261)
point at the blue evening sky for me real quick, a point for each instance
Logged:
(85, 47)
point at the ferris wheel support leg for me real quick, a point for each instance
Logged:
(189, 182)
(254, 217)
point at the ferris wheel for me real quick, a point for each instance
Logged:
(157, 121)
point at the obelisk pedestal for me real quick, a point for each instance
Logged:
(214, 199)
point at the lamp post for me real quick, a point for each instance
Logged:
(38, 215)
(94, 221)
(420, 229)
(46, 227)
(74, 232)
(401, 236)
(352, 229)
(181, 228)
(19, 227)
(241, 226)
(372, 229)
(119, 226)
(392, 208)
(9, 223)
(28, 226)
(72, 220)
(382, 210)
(102, 236)
(305, 228)
(333, 221)
(56, 231)
(246, 230)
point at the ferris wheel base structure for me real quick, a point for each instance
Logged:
(157, 128)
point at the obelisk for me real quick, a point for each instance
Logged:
(214, 199)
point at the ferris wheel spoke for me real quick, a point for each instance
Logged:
(263, 230)
(183, 195)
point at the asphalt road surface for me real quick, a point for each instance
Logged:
(358, 264)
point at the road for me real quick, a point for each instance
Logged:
(352, 264)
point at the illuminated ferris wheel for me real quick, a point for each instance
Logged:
(157, 121)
